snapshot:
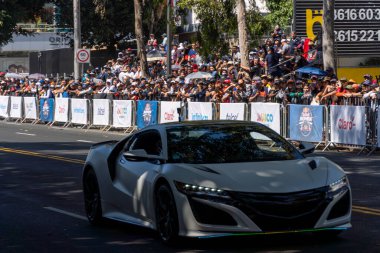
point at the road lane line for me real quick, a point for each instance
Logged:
(25, 134)
(365, 212)
(367, 209)
(52, 157)
(85, 141)
(66, 213)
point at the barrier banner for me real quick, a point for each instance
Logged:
(30, 108)
(79, 111)
(168, 111)
(122, 113)
(199, 111)
(61, 111)
(348, 124)
(4, 103)
(16, 105)
(306, 123)
(378, 128)
(232, 111)
(267, 114)
(146, 113)
(101, 112)
(46, 109)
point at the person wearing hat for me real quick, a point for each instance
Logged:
(271, 63)
(46, 92)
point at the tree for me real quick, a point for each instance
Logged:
(243, 32)
(141, 54)
(281, 12)
(17, 11)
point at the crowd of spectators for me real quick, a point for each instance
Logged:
(269, 78)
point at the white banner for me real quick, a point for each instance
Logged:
(348, 124)
(79, 111)
(168, 111)
(100, 112)
(16, 104)
(267, 114)
(4, 102)
(122, 113)
(232, 111)
(378, 128)
(199, 111)
(61, 111)
(30, 108)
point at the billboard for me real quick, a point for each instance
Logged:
(356, 24)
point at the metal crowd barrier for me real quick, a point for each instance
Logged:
(329, 126)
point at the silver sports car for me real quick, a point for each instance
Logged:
(215, 178)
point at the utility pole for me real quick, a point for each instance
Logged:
(243, 33)
(328, 35)
(141, 54)
(169, 41)
(77, 36)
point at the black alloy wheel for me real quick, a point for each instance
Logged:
(92, 198)
(166, 215)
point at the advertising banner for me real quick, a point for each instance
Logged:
(306, 123)
(348, 124)
(16, 105)
(267, 114)
(61, 111)
(46, 109)
(122, 113)
(4, 103)
(146, 113)
(79, 111)
(100, 112)
(232, 111)
(168, 111)
(199, 111)
(30, 108)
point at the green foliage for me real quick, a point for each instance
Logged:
(281, 12)
(16, 11)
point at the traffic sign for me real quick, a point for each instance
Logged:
(83, 55)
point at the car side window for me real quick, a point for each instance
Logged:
(149, 141)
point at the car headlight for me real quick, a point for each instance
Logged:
(201, 191)
(338, 187)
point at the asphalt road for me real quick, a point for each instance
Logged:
(41, 206)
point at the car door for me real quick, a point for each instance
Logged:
(134, 177)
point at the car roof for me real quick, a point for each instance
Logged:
(204, 123)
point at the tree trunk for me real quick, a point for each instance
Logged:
(243, 32)
(141, 54)
(328, 34)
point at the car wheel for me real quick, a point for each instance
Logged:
(166, 214)
(92, 203)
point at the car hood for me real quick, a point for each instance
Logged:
(264, 177)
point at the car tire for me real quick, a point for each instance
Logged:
(166, 215)
(92, 198)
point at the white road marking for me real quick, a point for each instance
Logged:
(25, 134)
(86, 141)
(66, 213)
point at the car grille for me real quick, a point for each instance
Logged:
(283, 211)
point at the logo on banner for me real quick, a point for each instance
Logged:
(79, 110)
(45, 109)
(121, 112)
(264, 117)
(15, 106)
(29, 106)
(61, 109)
(147, 114)
(101, 111)
(306, 122)
(198, 116)
(169, 115)
(3, 107)
(346, 124)
(232, 116)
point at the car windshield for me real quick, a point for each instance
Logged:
(227, 144)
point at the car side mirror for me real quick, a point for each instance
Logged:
(306, 148)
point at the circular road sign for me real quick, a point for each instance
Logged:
(83, 55)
